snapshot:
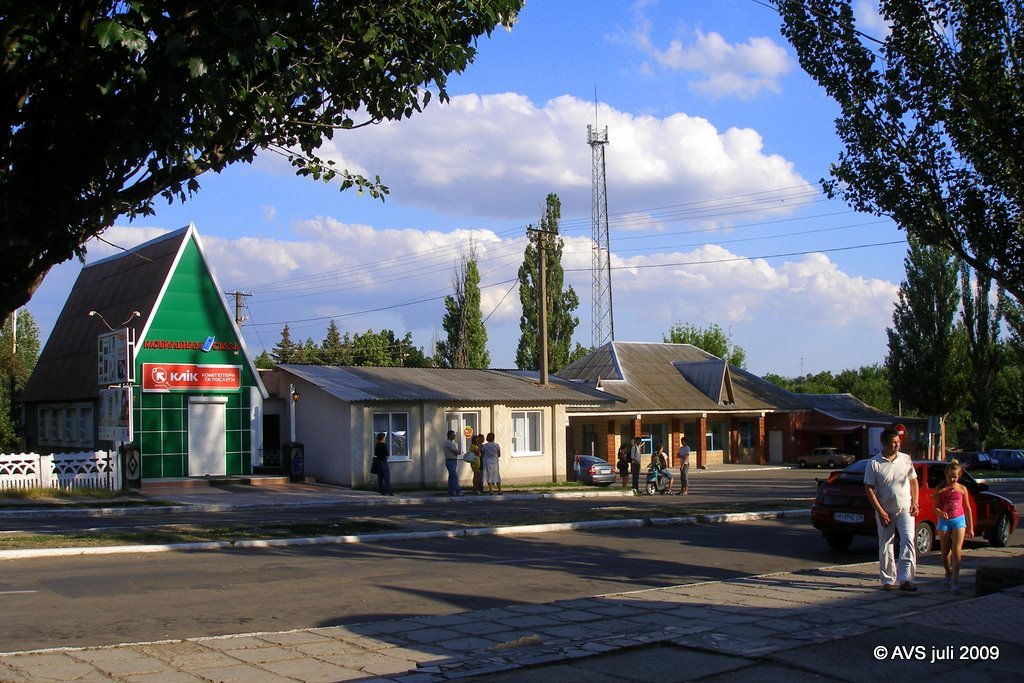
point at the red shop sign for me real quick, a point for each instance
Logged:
(190, 377)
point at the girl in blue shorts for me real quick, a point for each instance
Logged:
(953, 510)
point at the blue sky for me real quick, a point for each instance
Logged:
(717, 140)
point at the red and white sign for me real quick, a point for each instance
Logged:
(190, 377)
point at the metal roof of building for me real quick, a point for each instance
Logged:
(115, 287)
(655, 377)
(363, 383)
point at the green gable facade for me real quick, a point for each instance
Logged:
(197, 400)
(190, 311)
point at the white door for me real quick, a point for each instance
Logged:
(207, 439)
(775, 447)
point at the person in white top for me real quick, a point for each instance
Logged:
(683, 455)
(892, 489)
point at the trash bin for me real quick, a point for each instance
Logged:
(294, 461)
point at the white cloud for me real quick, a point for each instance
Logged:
(499, 155)
(742, 70)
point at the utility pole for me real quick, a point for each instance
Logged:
(239, 318)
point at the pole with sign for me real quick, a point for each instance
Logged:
(116, 374)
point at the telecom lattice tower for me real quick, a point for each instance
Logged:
(603, 324)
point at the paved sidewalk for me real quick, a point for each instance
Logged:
(831, 623)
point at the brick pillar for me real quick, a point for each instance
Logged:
(762, 448)
(610, 438)
(675, 431)
(701, 445)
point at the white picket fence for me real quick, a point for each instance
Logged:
(85, 470)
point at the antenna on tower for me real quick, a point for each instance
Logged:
(603, 325)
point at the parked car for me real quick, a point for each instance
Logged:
(1010, 459)
(973, 460)
(594, 471)
(826, 456)
(841, 509)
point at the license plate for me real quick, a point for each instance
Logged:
(848, 517)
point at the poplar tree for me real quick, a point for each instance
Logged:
(926, 359)
(982, 320)
(465, 342)
(561, 302)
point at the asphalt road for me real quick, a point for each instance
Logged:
(100, 600)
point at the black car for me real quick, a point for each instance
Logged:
(593, 470)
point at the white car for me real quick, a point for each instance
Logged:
(826, 456)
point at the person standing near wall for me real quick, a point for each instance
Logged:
(491, 453)
(683, 455)
(634, 463)
(381, 455)
(478, 464)
(452, 451)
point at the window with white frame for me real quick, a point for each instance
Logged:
(461, 424)
(396, 426)
(526, 433)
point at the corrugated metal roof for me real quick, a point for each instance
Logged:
(847, 408)
(115, 287)
(653, 377)
(362, 383)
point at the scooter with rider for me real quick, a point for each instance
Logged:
(659, 476)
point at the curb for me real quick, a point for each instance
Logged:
(404, 535)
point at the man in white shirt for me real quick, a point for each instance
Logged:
(892, 489)
(683, 457)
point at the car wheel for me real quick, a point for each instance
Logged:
(839, 540)
(802, 463)
(1001, 533)
(924, 537)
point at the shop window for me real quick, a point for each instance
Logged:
(396, 426)
(526, 433)
(746, 434)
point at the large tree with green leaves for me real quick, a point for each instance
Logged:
(465, 342)
(109, 105)
(19, 350)
(385, 349)
(711, 339)
(561, 301)
(926, 359)
(931, 119)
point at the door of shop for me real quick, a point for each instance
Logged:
(207, 435)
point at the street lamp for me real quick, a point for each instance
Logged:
(97, 314)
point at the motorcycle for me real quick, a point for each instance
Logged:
(658, 481)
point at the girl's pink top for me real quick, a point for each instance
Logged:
(951, 502)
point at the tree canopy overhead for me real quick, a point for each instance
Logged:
(932, 119)
(107, 106)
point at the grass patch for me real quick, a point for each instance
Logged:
(37, 493)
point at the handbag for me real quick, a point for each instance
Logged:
(374, 467)
(469, 457)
